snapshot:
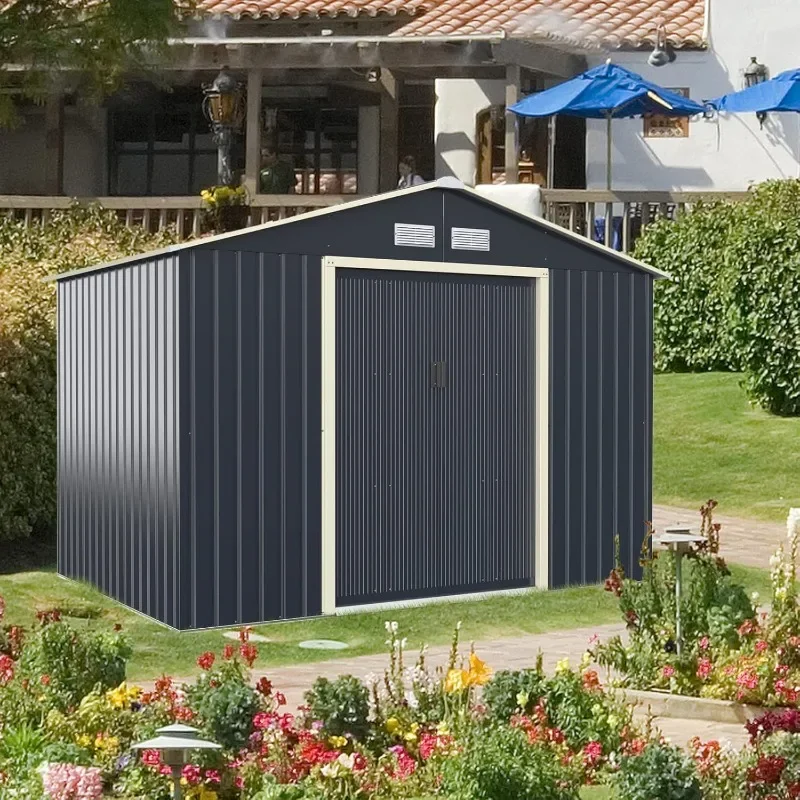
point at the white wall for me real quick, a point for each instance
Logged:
(725, 154)
(22, 153)
(458, 102)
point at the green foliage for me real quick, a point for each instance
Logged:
(341, 705)
(659, 772)
(225, 704)
(503, 693)
(498, 763)
(72, 239)
(101, 41)
(74, 663)
(732, 303)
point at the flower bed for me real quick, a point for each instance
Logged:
(730, 651)
(68, 721)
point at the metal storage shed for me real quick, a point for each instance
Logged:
(420, 394)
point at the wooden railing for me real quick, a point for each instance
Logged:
(158, 213)
(617, 219)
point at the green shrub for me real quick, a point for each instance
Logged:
(72, 239)
(498, 763)
(341, 705)
(504, 691)
(74, 662)
(733, 302)
(659, 772)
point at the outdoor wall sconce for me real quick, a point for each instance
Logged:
(754, 74)
(224, 108)
(175, 744)
(662, 52)
(374, 74)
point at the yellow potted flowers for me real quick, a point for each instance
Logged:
(225, 208)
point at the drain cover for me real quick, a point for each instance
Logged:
(323, 644)
(254, 637)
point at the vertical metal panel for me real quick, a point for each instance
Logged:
(601, 420)
(117, 433)
(434, 463)
(252, 445)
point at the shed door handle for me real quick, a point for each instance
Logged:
(438, 375)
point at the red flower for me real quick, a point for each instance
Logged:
(244, 634)
(249, 653)
(264, 686)
(280, 698)
(15, 636)
(151, 758)
(704, 668)
(748, 627)
(2, 607)
(212, 776)
(590, 680)
(761, 646)
(191, 773)
(747, 679)
(359, 762)
(206, 661)
(228, 652)
(45, 680)
(405, 763)
(6, 669)
(183, 713)
(592, 754)
(769, 770)
(264, 719)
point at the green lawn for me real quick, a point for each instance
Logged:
(158, 649)
(709, 443)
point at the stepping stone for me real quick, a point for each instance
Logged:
(323, 644)
(254, 637)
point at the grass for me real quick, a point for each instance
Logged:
(159, 650)
(709, 443)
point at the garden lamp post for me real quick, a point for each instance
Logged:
(680, 540)
(224, 108)
(175, 744)
(755, 73)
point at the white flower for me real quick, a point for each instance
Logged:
(411, 699)
(347, 760)
(330, 770)
(755, 597)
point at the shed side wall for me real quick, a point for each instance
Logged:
(118, 497)
(251, 380)
(600, 421)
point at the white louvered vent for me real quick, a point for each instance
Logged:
(414, 235)
(469, 239)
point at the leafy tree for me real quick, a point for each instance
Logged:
(98, 40)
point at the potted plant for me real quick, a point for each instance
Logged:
(225, 208)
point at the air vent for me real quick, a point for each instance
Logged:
(414, 235)
(469, 239)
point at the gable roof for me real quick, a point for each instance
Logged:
(583, 23)
(443, 183)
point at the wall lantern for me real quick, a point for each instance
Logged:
(754, 74)
(224, 108)
(175, 744)
(662, 52)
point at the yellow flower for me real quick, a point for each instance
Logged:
(337, 741)
(479, 673)
(522, 699)
(442, 729)
(456, 680)
(392, 725)
(563, 665)
(84, 741)
(106, 744)
(122, 696)
(410, 736)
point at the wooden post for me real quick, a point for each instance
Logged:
(54, 145)
(512, 134)
(389, 141)
(252, 163)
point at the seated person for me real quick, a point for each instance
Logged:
(276, 176)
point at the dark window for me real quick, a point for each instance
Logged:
(321, 144)
(161, 145)
(415, 127)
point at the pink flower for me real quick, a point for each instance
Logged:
(704, 643)
(668, 671)
(192, 774)
(747, 679)
(405, 763)
(761, 646)
(280, 698)
(6, 669)
(71, 782)
(264, 719)
(213, 776)
(594, 639)
(592, 753)
(704, 668)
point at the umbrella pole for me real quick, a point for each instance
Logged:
(551, 153)
(608, 151)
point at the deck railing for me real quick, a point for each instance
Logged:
(158, 213)
(613, 218)
(617, 219)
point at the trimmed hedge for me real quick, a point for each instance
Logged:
(71, 239)
(732, 304)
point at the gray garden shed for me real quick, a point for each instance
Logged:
(420, 394)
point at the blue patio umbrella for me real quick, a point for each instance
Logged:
(606, 92)
(782, 93)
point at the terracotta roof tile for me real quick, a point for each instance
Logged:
(609, 23)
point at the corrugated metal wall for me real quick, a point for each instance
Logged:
(434, 463)
(251, 464)
(118, 466)
(600, 420)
